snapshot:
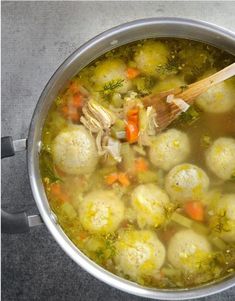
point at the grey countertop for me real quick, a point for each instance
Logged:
(36, 38)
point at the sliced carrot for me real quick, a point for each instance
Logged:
(141, 164)
(111, 178)
(132, 131)
(123, 179)
(195, 210)
(132, 73)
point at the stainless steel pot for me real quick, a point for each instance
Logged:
(120, 35)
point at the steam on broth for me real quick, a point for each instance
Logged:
(155, 208)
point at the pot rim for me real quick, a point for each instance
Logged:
(47, 215)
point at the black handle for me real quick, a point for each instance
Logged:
(7, 148)
(12, 222)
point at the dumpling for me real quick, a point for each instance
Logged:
(151, 204)
(169, 149)
(186, 182)
(189, 251)
(169, 83)
(139, 253)
(222, 220)
(151, 55)
(218, 99)
(101, 212)
(111, 70)
(220, 158)
(74, 151)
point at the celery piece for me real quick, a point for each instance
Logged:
(117, 100)
(128, 156)
(68, 210)
(118, 129)
(147, 177)
(200, 228)
(181, 220)
(218, 242)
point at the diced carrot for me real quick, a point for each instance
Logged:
(123, 179)
(111, 178)
(56, 191)
(55, 188)
(73, 87)
(77, 100)
(132, 131)
(70, 113)
(132, 73)
(195, 210)
(132, 112)
(141, 165)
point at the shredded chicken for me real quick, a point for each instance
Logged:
(97, 118)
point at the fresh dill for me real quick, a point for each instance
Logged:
(171, 67)
(190, 116)
(110, 87)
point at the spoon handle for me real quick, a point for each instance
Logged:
(201, 86)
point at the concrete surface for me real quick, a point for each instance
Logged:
(36, 38)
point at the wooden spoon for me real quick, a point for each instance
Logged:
(168, 112)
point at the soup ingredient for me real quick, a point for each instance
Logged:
(169, 83)
(56, 191)
(222, 220)
(220, 157)
(189, 251)
(101, 212)
(169, 149)
(195, 210)
(186, 182)
(139, 254)
(217, 99)
(150, 56)
(96, 117)
(107, 73)
(120, 177)
(132, 73)
(151, 204)
(74, 150)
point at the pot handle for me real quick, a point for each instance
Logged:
(16, 222)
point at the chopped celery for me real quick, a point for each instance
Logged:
(118, 129)
(107, 170)
(200, 228)
(128, 156)
(181, 220)
(218, 242)
(68, 210)
(147, 177)
(117, 100)
(143, 119)
(139, 149)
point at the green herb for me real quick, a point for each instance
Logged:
(111, 86)
(171, 67)
(145, 84)
(47, 168)
(190, 116)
